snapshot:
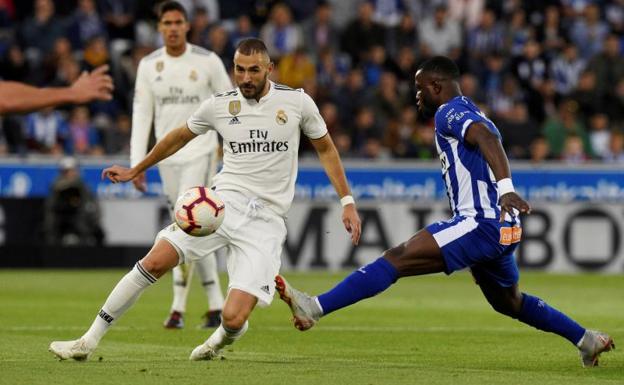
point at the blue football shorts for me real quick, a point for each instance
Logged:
(486, 246)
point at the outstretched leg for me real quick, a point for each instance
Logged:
(160, 259)
(535, 312)
(419, 255)
(207, 270)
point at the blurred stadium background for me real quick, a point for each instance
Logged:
(550, 73)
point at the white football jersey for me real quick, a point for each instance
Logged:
(260, 140)
(168, 90)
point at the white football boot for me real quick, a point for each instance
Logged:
(305, 310)
(78, 349)
(203, 352)
(591, 345)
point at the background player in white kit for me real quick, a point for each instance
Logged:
(260, 123)
(171, 84)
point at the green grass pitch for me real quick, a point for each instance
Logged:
(424, 330)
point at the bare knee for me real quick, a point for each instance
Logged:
(160, 259)
(233, 320)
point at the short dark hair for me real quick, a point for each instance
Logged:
(171, 5)
(441, 65)
(251, 45)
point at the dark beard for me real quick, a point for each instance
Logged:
(426, 112)
(258, 90)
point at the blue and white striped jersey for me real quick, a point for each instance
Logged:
(470, 183)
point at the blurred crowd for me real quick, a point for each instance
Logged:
(549, 73)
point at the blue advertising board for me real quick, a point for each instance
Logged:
(391, 182)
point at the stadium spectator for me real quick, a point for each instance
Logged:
(540, 150)
(363, 128)
(243, 29)
(589, 31)
(405, 35)
(608, 66)
(573, 152)
(82, 137)
(486, 38)
(351, 96)
(116, 136)
(319, 34)
(119, 16)
(586, 94)
(565, 123)
(281, 34)
(440, 35)
(39, 33)
(517, 32)
(72, 214)
(200, 27)
(518, 131)
(362, 34)
(566, 69)
(551, 33)
(388, 12)
(616, 148)
(210, 7)
(85, 24)
(599, 134)
(296, 68)
(14, 65)
(219, 43)
(466, 12)
(46, 131)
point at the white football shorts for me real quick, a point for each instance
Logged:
(177, 178)
(254, 236)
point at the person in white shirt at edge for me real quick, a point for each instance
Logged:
(260, 122)
(171, 84)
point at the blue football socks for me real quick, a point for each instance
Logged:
(537, 313)
(363, 283)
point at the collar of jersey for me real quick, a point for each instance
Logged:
(184, 54)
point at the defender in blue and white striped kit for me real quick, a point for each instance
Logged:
(482, 234)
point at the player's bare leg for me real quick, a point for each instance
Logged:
(182, 278)
(236, 310)
(419, 255)
(537, 313)
(209, 275)
(160, 259)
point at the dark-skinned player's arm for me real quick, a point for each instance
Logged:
(167, 146)
(330, 160)
(492, 149)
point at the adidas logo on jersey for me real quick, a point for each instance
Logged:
(158, 78)
(234, 120)
(265, 289)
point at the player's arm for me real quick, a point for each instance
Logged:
(167, 146)
(142, 118)
(16, 97)
(330, 160)
(492, 149)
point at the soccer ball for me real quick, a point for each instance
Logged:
(199, 211)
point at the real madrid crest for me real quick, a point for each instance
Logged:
(234, 107)
(160, 65)
(193, 75)
(281, 118)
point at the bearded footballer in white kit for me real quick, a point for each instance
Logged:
(171, 84)
(260, 123)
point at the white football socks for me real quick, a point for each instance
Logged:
(123, 296)
(207, 270)
(179, 288)
(223, 337)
